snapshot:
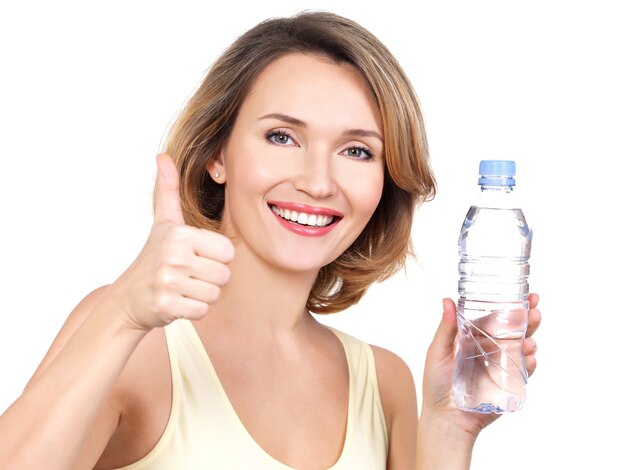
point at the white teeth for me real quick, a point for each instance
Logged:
(302, 218)
(323, 220)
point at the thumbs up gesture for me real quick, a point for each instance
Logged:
(179, 271)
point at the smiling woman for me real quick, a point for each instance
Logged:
(210, 116)
(287, 186)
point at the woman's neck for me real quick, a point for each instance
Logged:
(260, 296)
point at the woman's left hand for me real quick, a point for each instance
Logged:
(438, 404)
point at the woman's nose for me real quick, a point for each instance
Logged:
(316, 176)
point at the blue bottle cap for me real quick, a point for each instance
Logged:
(497, 173)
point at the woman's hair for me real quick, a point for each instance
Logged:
(208, 118)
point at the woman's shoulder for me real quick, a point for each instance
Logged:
(391, 370)
(395, 380)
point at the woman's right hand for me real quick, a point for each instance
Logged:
(179, 271)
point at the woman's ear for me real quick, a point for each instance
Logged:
(215, 167)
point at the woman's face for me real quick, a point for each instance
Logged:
(304, 165)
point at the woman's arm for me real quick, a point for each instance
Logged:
(69, 409)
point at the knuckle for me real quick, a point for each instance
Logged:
(195, 310)
(174, 259)
(223, 275)
(163, 302)
(200, 309)
(213, 293)
(179, 233)
(221, 244)
(228, 249)
(165, 278)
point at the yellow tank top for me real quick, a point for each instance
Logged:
(204, 431)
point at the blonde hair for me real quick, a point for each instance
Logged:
(206, 121)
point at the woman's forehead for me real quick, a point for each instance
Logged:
(314, 88)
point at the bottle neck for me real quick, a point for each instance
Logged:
(496, 197)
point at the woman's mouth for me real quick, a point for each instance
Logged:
(304, 219)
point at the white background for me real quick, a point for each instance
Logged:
(87, 92)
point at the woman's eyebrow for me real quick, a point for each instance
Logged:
(363, 133)
(300, 123)
(285, 118)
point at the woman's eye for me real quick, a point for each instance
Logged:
(361, 153)
(279, 138)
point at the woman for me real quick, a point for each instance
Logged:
(287, 187)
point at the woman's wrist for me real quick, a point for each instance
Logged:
(442, 444)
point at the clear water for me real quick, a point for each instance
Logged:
(494, 249)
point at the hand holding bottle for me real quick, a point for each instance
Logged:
(181, 268)
(438, 408)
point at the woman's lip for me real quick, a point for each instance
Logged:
(295, 206)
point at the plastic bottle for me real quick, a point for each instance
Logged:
(492, 313)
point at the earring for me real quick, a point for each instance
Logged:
(217, 174)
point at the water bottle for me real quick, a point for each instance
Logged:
(492, 314)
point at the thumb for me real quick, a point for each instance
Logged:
(443, 342)
(167, 206)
